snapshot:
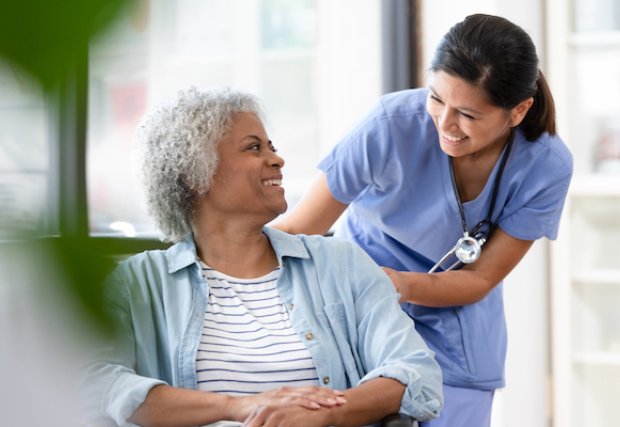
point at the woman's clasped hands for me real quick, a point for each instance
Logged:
(287, 406)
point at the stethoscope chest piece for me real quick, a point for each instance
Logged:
(467, 249)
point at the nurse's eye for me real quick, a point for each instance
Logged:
(435, 99)
(254, 147)
(467, 116)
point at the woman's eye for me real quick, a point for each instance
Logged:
(254, 147)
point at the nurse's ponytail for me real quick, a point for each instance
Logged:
(541, 116)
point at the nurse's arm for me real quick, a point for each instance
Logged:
(317, 211)
(465, 286)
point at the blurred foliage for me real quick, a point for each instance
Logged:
(64, 276)
(84, 264)
(44, 38)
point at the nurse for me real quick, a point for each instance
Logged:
(472, 158)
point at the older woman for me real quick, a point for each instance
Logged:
(238, 321)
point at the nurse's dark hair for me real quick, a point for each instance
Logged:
(500, 57)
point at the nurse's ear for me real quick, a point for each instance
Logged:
(517, 114)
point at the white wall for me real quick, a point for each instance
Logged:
(439, 15)
(525, 400)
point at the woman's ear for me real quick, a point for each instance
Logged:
(518, 113)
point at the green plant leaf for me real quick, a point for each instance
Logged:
(45, 38)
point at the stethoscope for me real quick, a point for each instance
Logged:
(469, 247)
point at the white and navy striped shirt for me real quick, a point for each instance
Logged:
(248, 344)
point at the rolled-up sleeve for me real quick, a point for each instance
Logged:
(388, 343)
(124, 392)
(114, 390)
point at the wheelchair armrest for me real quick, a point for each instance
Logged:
(398, 420)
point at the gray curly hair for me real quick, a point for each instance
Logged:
(178, 148)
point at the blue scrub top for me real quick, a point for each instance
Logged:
(391, 171)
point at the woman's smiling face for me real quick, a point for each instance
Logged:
(248, 179)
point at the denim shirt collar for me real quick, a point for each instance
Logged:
(183, 254)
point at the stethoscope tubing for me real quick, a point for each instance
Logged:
(476, 230)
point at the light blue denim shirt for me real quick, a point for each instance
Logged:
(342, 305)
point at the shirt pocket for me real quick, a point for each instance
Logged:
(336, 317)
(446, 331)
(466, 339)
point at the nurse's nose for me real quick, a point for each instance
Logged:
(447, 118)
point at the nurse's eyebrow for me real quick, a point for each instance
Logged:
(466, 109)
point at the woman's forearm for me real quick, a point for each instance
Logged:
(368, 403)
(167, 406)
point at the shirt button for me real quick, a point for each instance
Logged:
(291, 306)
(325, 380)
(309, 336)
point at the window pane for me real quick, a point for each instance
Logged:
(301, 57)
(25, 184)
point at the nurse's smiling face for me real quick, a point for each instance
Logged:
(467, 123)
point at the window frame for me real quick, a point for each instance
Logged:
(400, 59)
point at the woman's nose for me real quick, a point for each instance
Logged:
(276, 160)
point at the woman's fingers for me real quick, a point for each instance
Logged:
(310, 397)
(293, 416)
(257, 417)
(316, 402)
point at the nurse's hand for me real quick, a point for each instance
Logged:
(400, 281)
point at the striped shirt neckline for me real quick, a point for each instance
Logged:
(248, 344)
